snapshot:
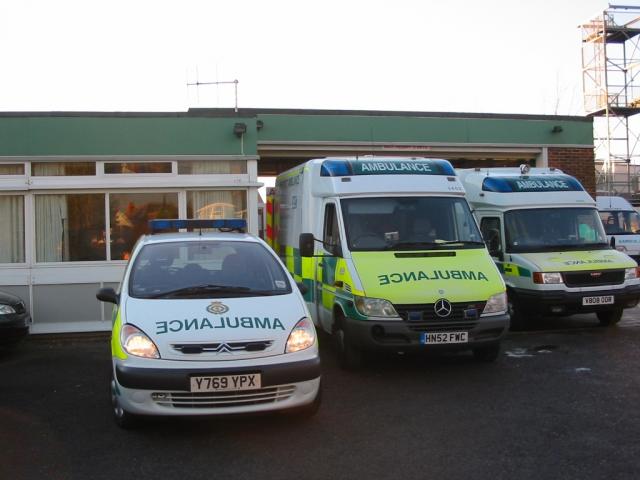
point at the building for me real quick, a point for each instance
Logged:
(77, 189)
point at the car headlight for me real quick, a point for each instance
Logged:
(301, 337)
(6, 310)
(631, 273)
(135, 342)
(496, 305)
(546, 277)
(375, 307)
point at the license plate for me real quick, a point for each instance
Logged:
(601, 300)
(226, 383)
(444, 337)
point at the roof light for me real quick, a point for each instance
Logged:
(384, 166)
(229, 224)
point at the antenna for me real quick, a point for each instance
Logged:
(197, 84)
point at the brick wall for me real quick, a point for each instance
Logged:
(577, 162)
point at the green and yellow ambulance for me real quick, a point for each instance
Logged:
(545, 235)
(391, 256)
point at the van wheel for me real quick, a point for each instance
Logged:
(122, 418)
(350, 357)
(610, 317)
(518, 320)
(487, 354)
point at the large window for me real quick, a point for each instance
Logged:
(620, 222)
(206, 167)
(129, 214)
(217, 204)
(68, 169)
(11, 229)
(70, 227)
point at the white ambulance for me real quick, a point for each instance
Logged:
(622, 223)
(546, 237)
(209, 323)
(391, 256)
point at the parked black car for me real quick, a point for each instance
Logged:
(14, 319)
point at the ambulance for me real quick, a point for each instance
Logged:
(621, 223)
(391, 256)
(209, 323)
(545, 235)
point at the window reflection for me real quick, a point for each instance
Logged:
(129, 214)
(12, 169)
(56, 169)
(137, 167)
(216, 204)
(205, 167)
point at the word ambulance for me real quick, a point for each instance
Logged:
(545, 235)
(391, 256)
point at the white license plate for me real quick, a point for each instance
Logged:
(444, 337)
(226, 383)
(601, 300)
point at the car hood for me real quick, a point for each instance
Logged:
(579, 260)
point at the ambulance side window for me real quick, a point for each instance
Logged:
(490, 228)
(331, 235)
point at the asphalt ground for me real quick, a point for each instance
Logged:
(561, 402)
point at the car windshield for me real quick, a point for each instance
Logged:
(553, 229)
(205, 269)
(409, 223)
(620, 222)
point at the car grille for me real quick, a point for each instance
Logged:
(223, 399)
(422, 317)
(222, 347)
(594, 278)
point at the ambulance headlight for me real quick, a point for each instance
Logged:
(496, 305)
(136, 343)
(547, 277)
(631, 273)
(375, 307)
(301, 337)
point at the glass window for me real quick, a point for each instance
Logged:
(70, 227)
(137, 167)
(409, 223)
(621, 222)
(553, 229)
(331, 236)
(217, 204)
(206, 269)
(206, 167)
(11, 169)
(12, 229)
(490, 228)
(57, 169)
(129, 214)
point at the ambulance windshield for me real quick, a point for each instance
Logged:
(553, 229)
(409, 223)
(620, 222)
(206, 269)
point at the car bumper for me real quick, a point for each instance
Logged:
(166, 391)
(14, 328)
(405, 336)
(560, 302)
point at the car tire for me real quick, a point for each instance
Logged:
(122, 418)
(518, 321)
(487, 354)
(350, 357)
(610, 317)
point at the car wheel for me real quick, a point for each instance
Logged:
(610, 317)
(517, 319)
(487, 354)
(122, 418)
(350, 357)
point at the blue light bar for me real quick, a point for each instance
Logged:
(346, 168)
(532, 183)
(231, 224)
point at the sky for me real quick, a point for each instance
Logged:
(496, 56)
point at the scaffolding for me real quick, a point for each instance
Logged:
(611, 89)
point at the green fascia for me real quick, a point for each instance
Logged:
(374, 129)
(121, 135)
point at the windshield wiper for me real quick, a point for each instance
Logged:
(436, 244)
(460, 242)
(207, 288)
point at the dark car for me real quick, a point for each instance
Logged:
(14, 319)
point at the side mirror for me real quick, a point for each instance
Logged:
(302, 287)
(306, 245)
(108, 295)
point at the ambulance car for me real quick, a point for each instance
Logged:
(621, 222)
(209, 323)
(545, 235)
(391, 256)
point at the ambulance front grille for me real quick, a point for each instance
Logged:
(223, 399)
(594, 278)
(423, 318)
(222, 347)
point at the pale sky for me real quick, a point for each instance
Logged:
(502, 56)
